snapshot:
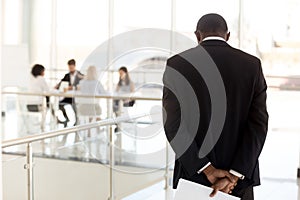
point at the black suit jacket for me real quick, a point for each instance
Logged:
(245, 126)
(67, 78)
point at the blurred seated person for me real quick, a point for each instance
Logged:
(90, 108)
(38, 84)
(90, 86)
(125, 85)
(72, 78)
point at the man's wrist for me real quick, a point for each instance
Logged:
(208, 170)
(203, 168)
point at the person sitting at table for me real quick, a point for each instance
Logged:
(38, 84)
(125, 85)
(90, 86)
(73, 78)
(90, 108)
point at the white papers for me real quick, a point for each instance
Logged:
(63, 85)
(188, 190)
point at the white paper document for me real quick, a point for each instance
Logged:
(188, 190)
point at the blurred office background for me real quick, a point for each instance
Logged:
(51, 32)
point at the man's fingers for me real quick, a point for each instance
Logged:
(230, 177)
(212, 179)
(227, 189)
(224, 173)
(214, 192)
(221, 185)
(224, 185)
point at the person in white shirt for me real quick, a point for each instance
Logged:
(125, 85)
(90, 107)
(38, 84)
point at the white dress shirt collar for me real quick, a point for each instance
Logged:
(214, 38)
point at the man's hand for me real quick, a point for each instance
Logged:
(214, 174)
(224, 185)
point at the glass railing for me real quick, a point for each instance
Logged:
(107, 159)
(72, 164)
(15, 107)
(78, 164)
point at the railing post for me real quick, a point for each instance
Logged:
(111, 164)
(43, 121)
(44, 112)
(29, 167)
(167, 167)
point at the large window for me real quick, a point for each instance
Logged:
(57, 30)
(12, 22)
(81, 27)
(188, 13)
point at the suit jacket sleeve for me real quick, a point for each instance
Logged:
(78, 78)
(172, 118)
(255, 130)
(65, 78)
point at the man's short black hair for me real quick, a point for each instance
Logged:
(37, 70)
(72, 62)
(212, 23)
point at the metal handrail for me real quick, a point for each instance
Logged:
(46, 135)
(294, 88)
(30, 139)
(120, 97)
(113, 71)
(283, 77)
(73, 95)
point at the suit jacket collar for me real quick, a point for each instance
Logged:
(214, 43)
(76, 72)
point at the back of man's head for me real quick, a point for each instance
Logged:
(212, 24)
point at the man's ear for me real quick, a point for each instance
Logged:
(227, 36)
(197, 33)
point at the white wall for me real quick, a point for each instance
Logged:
(15, 66)
(69, 180)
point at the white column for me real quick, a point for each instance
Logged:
(53, 51)
(26, 20)
(1, 30)
(110, 54)
(109, 101)
(240, 25)
(172, 25)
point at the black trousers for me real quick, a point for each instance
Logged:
(246, 194)
(68, 101)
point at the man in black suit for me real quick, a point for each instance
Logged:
(73, 78)
(224, 158)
